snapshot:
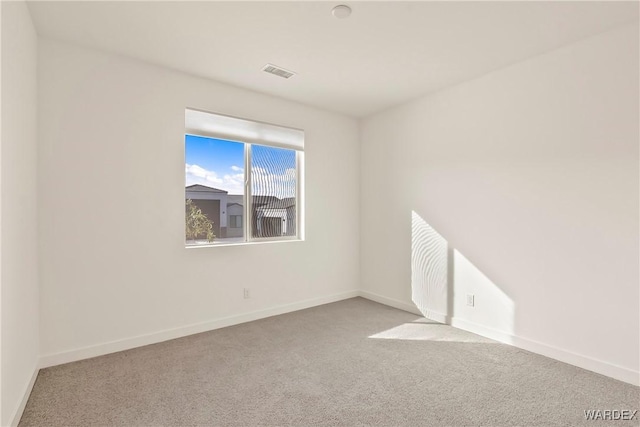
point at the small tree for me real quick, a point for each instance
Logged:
(197, 223)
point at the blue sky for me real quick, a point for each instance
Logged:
(220, 164)
(214, 154)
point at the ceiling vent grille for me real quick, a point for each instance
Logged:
(278, 71)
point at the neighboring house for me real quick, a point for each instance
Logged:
(271, 216)
(276, 218)
(213, 203)
(235, 218)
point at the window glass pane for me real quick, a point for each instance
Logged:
(273, 189)
(214, 191)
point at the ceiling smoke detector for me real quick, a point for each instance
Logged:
(341, 11)
(278, 71)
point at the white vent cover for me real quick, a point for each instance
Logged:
(278, 71)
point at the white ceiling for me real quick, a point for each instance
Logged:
(386, 53)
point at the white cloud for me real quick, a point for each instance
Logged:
(264, 183)
(279, 185)
(233, 183)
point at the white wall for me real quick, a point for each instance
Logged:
(531, 174)
(111, 189)
(19, 266)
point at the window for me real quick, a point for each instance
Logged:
(243, 180)
(235, 221)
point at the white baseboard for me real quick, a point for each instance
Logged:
(482, 330)
(598, 366)
(401, 305)
(405, 306)
(25, 397)
(438, 317)
(169, 334)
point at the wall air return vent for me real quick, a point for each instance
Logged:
(278, 71)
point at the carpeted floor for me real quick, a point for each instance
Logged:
(351, 363)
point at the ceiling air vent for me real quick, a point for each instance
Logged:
(278, 71)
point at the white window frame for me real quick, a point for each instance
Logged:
(276, 142)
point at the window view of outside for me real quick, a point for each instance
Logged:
(214, 192)
(273, 186)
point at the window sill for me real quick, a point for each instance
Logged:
(253, 242)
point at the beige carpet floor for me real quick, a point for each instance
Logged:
(351, 363)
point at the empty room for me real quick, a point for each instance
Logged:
(319, 213)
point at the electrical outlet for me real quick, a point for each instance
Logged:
(246, 293)
(470, 300)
